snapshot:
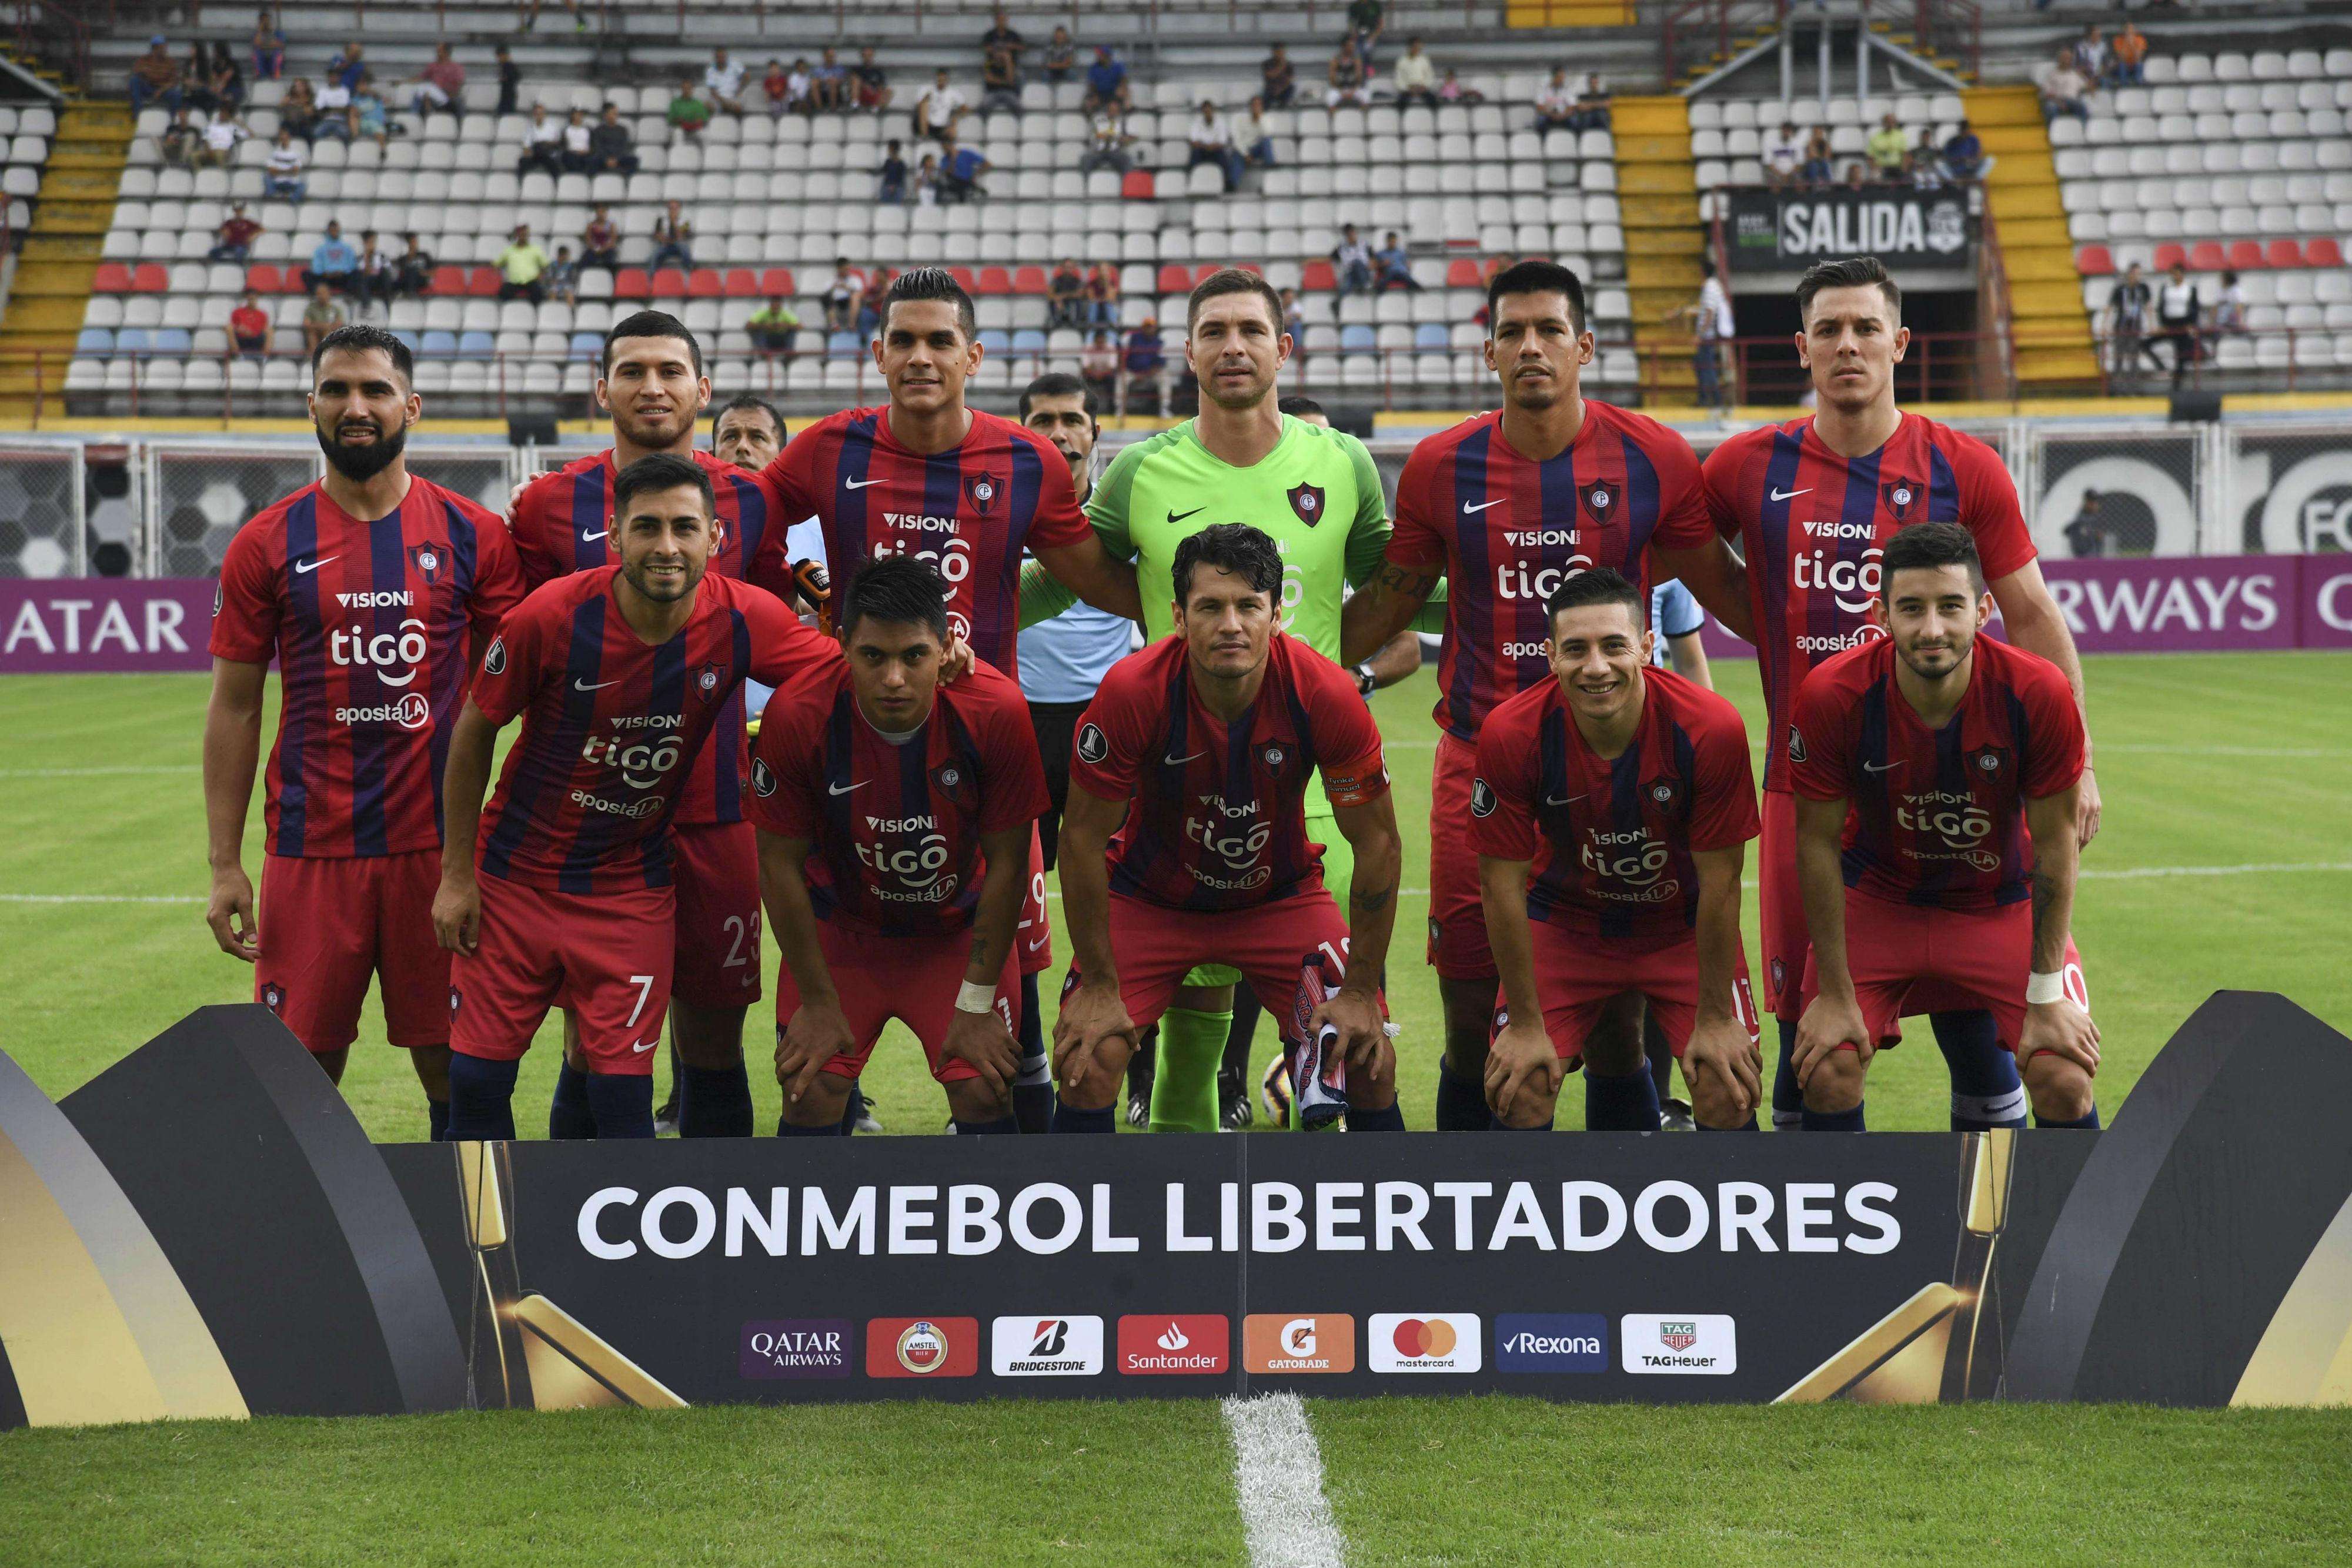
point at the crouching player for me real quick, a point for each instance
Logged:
(1922, 761)
(1197, 753)
(1611, 811)
(619, 672)
(917, 801)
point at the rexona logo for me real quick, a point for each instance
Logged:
(922, 1347)
(1193, 1345)
(1425, 1342)
(1551, 1342)
(1035, 1346)
(1698, 1344)
(1299, 1341)
(795, 1347)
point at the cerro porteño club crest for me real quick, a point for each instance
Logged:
(980, 491)
(1307, 500)
(1600, 499)
(1901, 495)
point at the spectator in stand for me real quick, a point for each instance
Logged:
(1277, 79)
(2229, 307)
(937, 112)
(2178, 313)
(440, 85)
(542, 144)
(532, 9)
(1294, 314)
(576, 150)
(1098, 368)
(1001, 36)
(2064, 90)
(375, 276)
(869, 303)
(2087, 537)
(1924, 164)
(1213, 142)
(227, 81)
(1066, 295)
(510, 80)
(1061, 59)
(1351, 265)
(777, 85)
(961, 170)
(522, 265)
(1416, 78)
(233, 241)
(1964, 155)
(297, 112)
(1344, 77)
(1819, 167)
(1392, 266)
(1711, 324)
(1107, 83)
(2127, 308)
(415, 268)
(609, 148)
(775, 329)
(562, 278)
(722, 82)
(1888, 149)
(332, 261)
(1144, 364)
(344, 68)
(1451, 91)
(196, 79)
(1109, 142)
(1367, 21)
(334, 103)
(1102, 295)
(180, 142)
(1556, 102)
(673, 242)
(1857, 175)
(369, 118)
(268, 47)
(800, 88)
(1592, 111)
(599, 243)
(873, 84)
(2090, 55)
(2129, 65)
(1784, 154)
(1253, 137)
(927, 181)
(155, 75)
(322, 317)
(829, 83)
(999, 82)
(688, 115)
(890, 179)
(248, 326)
(282, 176)
(840, 297)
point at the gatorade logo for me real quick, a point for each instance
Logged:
(1298, 1343)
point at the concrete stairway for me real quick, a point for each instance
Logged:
(2051, 335)
(60, 255)
(1657, 195)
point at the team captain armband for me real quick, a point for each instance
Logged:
(1363, 781)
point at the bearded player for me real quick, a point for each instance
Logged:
(895, 815)
(1505, 507)
(374, 591)
(563, 892)
(1811, 505)
(1921, 761)
(1612, 809)
(1197, 753)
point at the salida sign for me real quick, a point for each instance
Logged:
(1787, 231)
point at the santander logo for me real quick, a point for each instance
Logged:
(1174, 1339)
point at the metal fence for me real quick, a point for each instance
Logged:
(44, 511)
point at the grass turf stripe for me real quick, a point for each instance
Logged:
(1278, 1474)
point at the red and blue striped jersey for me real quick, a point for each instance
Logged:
(1812, 524)
(896, 826)
(610, 724)
(562, 523)
(1937, 816)
(970, 511)
(368, 621)
(1612, 839)
(1508, 531)
(1216, 818)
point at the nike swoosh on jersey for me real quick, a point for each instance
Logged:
(1180, 517)
(1791, 495)
(305, 567)
(1468, 508)
(1180, 761)
(1039, 943)
(838, 789)
(641, 1049)
(1564, 801)
(580, 686)
(588, 538)
(858, 484)
(1882, 767)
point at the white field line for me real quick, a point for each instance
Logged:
(1278, 1473)
(87, 772)
(100, 898)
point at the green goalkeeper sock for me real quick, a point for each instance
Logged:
(1184, 1090)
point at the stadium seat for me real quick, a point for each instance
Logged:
(113, 277)
(741, 284)
(2169, 255)
(482, 283)
(633, 285)
(1318, 278)
(1138, 186)
(2094, 261)
(1174, 279)
(1462, 273)
(1029, 280)
(995, 280)
(965, 279)
(439, 345)
(2205, 255)
(669, 283)
(152, 277)
(587, 345)
(777, 282)
(2246, 256)
(2322, 252)
(703, 283)
(475, 345)
(449, 280)
(2282, 253)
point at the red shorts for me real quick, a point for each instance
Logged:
(326, 925)
(911, 979)
(716, 869)
(1973, 958)
(605, 956)
(1458, 912)
(1157, 947)
(1033, 940)
(1576, 977)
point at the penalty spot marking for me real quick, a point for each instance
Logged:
(1278, 1475)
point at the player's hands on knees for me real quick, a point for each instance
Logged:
(1090, 1015)
(229, 912)
(1829, 1023)
(1357, 1016)
(1722, 1051)
(2063, 1029)
(457, 914)
(981, 1039)
(817, 1032)
(1521, 1059)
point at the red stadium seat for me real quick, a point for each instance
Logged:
(482, 283)
(152, 277)
(2322, 252)
(1462, 273)
(1030, 280)
(669, 283)
(742, 284)
(703, 283)
(1317, 277)
(1174, 279)
(965, 279)
(2282, 253)
(632, 284)
(2246, 256)
(777, 283)
(2093, 261)
(113, 277)
(2206, 256)
(449, 280)
(1137, 186)
(995, 280)
(1210, 269)
(2169, 256)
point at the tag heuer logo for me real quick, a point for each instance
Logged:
(1482, 799)
(1677, 1335)
(1092, 746)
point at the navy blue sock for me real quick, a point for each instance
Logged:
(481, 1097)
(1986, 1090)
(1788, 1099)
(1621, 1102)
(1390, 1118)
(830, 1130)
(849, 1109)
(568, 1116)
(1834, 1121)
(714, 1103)
(1750, 1126)
(1001, 1126)
(623, 1104)
(437, 1115)
(1068, 1118)
(1461, 1101)
(2089, 1123)
(1248, 1009)
(1497, 1125)
(1032, 1089)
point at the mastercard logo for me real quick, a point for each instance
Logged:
(1425, 1342)
(1424, 1336)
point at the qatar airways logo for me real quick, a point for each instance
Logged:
(1953, 817)
(1853, 583)
(1631, 858)
(394, 655)
(1514, 580)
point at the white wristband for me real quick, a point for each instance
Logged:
(974, 998)
(2040, 988)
